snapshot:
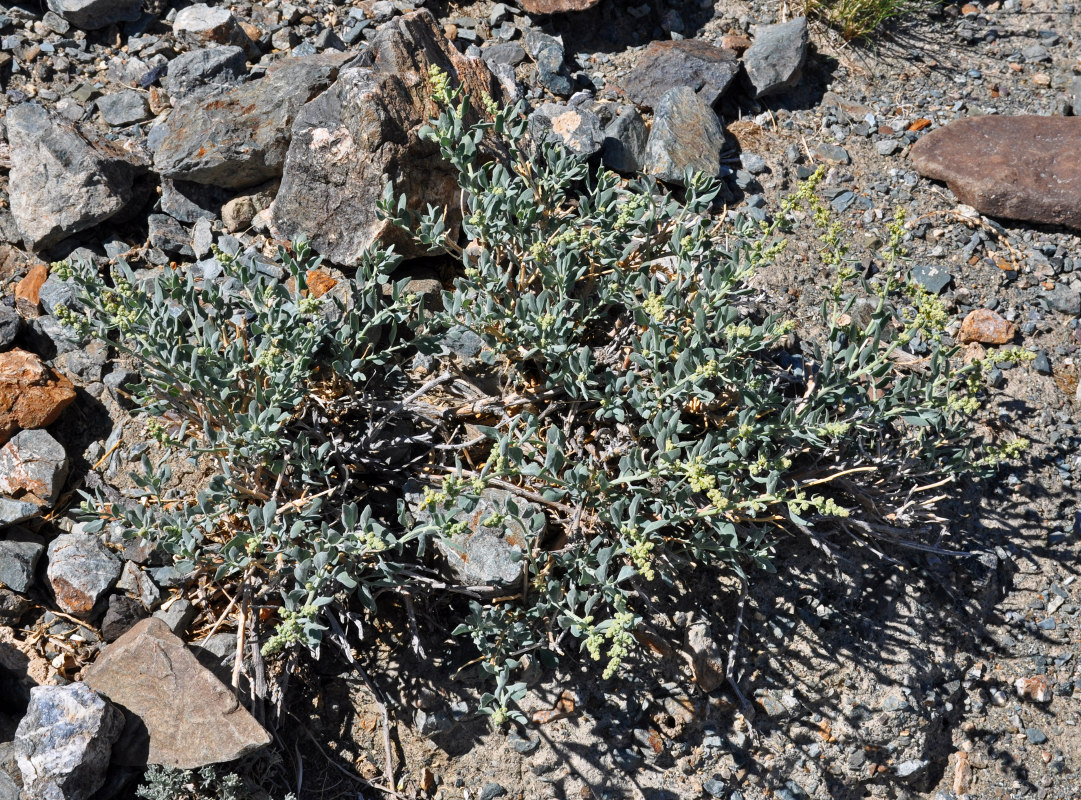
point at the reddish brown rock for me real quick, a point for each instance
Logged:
(1024, 168)
(986, 327)
(556, 6)
(31, 394)
(28, 291)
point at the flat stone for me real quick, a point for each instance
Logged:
(123, 108)
(363, 131)
(1024, 168)
(81, 570)
(168, 235)
(830, 153)
(10, 324)
(204, 71)
(986, 327)
(188, 202)
(686, 135)
(1035, 736)
(176, 712)
(510, 53)
(555, 6)
(121, 615)
(239, 137)
(20, 551)
(200, 25)
(693, 63)
(61, 181)
(931, 277)
(1064, 300)
(625, 141)
(577, 129)
(31, 394)
(93, 14)
(33, 468)
(774, 61)
(28, 291)
(63, 744)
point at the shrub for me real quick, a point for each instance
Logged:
(858, 19)
(644, 402)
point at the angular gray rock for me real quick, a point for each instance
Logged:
(63, 181)
(13, 511)
(686, 135)
(774, 62)
(81, 570)
(577, 129)
(1064, 300)
(33, 467)
(20, 551)
(239, 138)
(63, 744)
(706, 69)
(205, 71)
(176, 712)
(123, 108)
(93, 14)
(625, 141)
(200, 25)
(362, 132)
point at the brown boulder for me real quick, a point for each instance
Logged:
(556, 6)
(176, 712)
(28, 291)
(1024, 168)
(986, 327)
(31, 394)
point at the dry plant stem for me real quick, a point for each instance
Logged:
(414, 633)
(241, 628)
(259, 681)
(730, 667)
(343, 770)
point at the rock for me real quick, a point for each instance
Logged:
(61, 181)
(168, 235)
(547, 53)
(1064, 300)
(932, 278)
(123, 108)
(12, 606)
(238, 213)
(121, 615)
(93, 14)
(707, 662)
(178, 616)
(176, 712)
(774, 62)
(556, 6)
(625, 141)
(1021, 168)
(28, 291)
(693, 63)
(200, 25)
(363, 131)
(912, 769)
(10, 323)
(490, 556)
(686, 135)
(55, 293)
(188, 202)
(205, 71)
(1035, 736)
(33, 468)
(20, 551)
(830, 153)
(1036, 688)
(31, 394)
(986, 327)
(239, 137)
(62, 745)
(509, 53)
(1042, 365)
(577, 129)
(81, 570)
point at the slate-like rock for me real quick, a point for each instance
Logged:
(177, 713)
(31, 394)
(121, 615)
(63, 744)
(556, 6)
(20, 551)
(81, 570)
(1024, 168)
(125, 107)
(686, 135)
(577, 129)
(239, 138)
(189, 202)
(63, 181)
(1064, 300)
(625, 141)
(706, 69)
(204, 71)
(363, 131)
(774, 62)
(93, 14)
(547, 53)
(33, 467)
(200, 24)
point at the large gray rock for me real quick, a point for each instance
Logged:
(62, 745)
(774, 62)
(62, 180)
(125, 107)
(625, 141)
(33, 467)
(200, 24)
(205, 71)
(20, 551)
(706, 69)
(93, 14)
(177, 713)
(362, 132)
(577, 129)
(81, 570)
(239, 138)
(686, 135)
